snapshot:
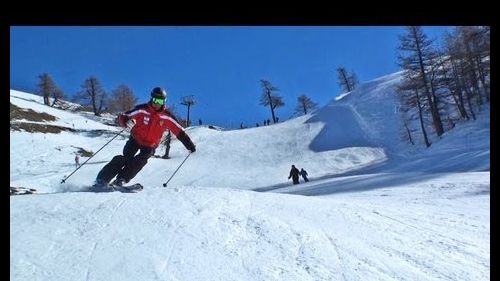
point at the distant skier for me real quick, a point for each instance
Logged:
(167, 141)
(303, 173)
(148, 122)
(77, 161)
(294, 174)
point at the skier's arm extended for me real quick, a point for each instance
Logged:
(177, 130)
(186, 141)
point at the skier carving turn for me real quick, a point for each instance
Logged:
(148, 122)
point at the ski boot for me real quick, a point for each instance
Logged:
(102, 186)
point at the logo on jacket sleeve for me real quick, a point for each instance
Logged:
(146, 120)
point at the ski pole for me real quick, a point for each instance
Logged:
(165, 184)
(64, 180)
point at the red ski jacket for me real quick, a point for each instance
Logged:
(151, 124)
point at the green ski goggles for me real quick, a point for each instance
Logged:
(158, 101)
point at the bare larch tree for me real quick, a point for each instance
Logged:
(122, 99)
(304, 105)
(46, 87)
(346, 81)
(93, 93)
(268, 98)
(416, 58)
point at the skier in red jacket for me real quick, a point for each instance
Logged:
(148, 122)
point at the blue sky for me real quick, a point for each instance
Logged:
(220, 65)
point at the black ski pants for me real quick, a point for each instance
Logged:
(126, 166)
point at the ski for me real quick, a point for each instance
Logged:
(134, 188)
(17, 190)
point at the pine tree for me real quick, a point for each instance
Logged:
(410, 101)
(93, 93)
(472, 47)
(46, 87)
(58, 94)
(451, 76)
(347, 82)
(268, 98)
(304, 105)
(416, 58)
(122, 99)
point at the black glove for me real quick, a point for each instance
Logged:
(186, 141)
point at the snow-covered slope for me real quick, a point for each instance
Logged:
(375, 208)
(249, 158)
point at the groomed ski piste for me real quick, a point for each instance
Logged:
(376, 208)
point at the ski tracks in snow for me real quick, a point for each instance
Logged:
(432, 252)
(210, 226)
(174, 235)
(91, 254)
(333, 244)
(91, 217)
